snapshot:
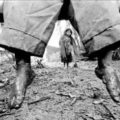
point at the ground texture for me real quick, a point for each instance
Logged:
(60, 94)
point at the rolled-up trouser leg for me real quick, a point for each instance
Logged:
(29, 24)
(93, 22)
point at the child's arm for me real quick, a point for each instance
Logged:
(74, 46)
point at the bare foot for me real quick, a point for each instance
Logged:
(18, 90)
(111, 80)
(16, 97)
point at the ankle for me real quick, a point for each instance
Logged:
(99, 72)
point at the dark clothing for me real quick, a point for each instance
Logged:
(65, 49)
(28, 24)
(67, 59)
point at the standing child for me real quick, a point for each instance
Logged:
(66, 44)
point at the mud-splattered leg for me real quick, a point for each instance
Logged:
(108, 75)
(24, 76)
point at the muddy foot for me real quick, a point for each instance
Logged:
(111, 80)
(15, 98)
(18, 90)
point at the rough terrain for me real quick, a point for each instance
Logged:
(60, 94)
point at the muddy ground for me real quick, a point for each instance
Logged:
(60, 94)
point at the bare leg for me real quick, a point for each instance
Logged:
(24, 76)
(108, 75)
(64, 64)
(67, 65)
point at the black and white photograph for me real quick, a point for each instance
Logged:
(59, 59)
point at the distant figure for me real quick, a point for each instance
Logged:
(66, 44)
